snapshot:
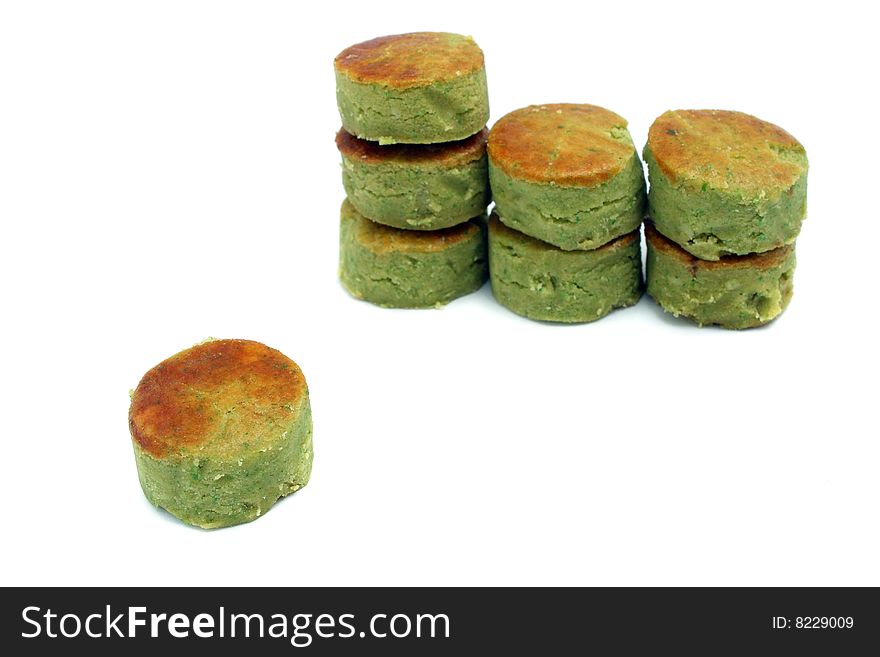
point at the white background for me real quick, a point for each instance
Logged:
(168, 173)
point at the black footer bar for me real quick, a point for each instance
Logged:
(428, 621)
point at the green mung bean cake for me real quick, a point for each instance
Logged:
(398, 268)
(418, 187)
(566, 174)
(735, 292)
(725, 183)
(539, 281)
(221, 431)
(418, 88)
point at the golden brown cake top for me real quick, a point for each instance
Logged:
(217, 395)
(726, 150)
(565, 144)
(763, 261)
(450, 154)
(404, 61)
(386, 239)
(498, 227)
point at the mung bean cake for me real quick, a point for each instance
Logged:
(221, 431)
(417, 187)
(735, 292)
(398, 268)
(417, 88)
(725, 183)
(539, 281)
(566, 174)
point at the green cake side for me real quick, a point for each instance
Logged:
(219, 491)
(736, 292)
(397, 268)
(440, 112)
(572, 217)
(711, 223)
(413, 187)
(539, 281)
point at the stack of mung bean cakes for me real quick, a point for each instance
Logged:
(413, 142)
(728, 195)
(569, 193)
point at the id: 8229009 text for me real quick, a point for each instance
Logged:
(813, 623)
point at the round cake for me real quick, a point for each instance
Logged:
(566, 174)
(735, 292)
(398, 268)
(416, 187)
(725, 183)
(539, 281)
(418, 88)
(221, 431)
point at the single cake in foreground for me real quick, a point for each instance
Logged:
(417, 187)
(410, 269)
(725, 183)
(221, 431)
(566, 174)
(539, 281)
(418, 88)
(735, 292)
